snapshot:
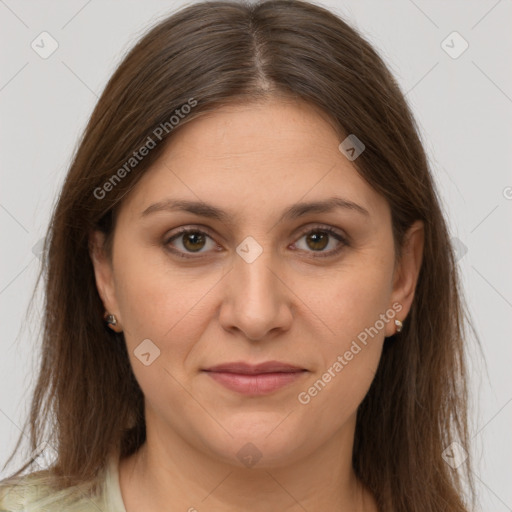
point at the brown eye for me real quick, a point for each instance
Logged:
(193, 241)
(188, 241)
(319, 238)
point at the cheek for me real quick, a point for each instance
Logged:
(349, 299)
(167, 309)
(163, 305)
(350, 350)
(354, 309)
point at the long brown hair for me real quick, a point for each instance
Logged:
(87, 402)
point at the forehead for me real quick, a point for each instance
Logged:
(270, 129)
(251, 157)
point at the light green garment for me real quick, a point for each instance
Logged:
(32, 494)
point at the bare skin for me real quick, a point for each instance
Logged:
(289, 304)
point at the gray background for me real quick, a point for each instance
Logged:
(463, 106)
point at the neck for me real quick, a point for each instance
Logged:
(170, 471)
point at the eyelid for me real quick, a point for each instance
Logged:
(184, 230)
(342, 238)
(332, 232)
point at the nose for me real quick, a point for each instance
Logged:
(256, 300)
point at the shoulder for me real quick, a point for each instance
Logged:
(34, 492)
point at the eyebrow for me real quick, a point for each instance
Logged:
(293, 212)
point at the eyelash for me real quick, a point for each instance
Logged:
(318, 229)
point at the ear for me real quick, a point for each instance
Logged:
(104, 275)
(406, 272)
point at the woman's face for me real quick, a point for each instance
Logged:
(259, 280)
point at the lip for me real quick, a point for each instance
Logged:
(253, 369)
(255, 379)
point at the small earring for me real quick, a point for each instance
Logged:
(398, 325)
(110, 319)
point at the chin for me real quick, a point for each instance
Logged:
(260, 441)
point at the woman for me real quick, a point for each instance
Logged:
(251, 299)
